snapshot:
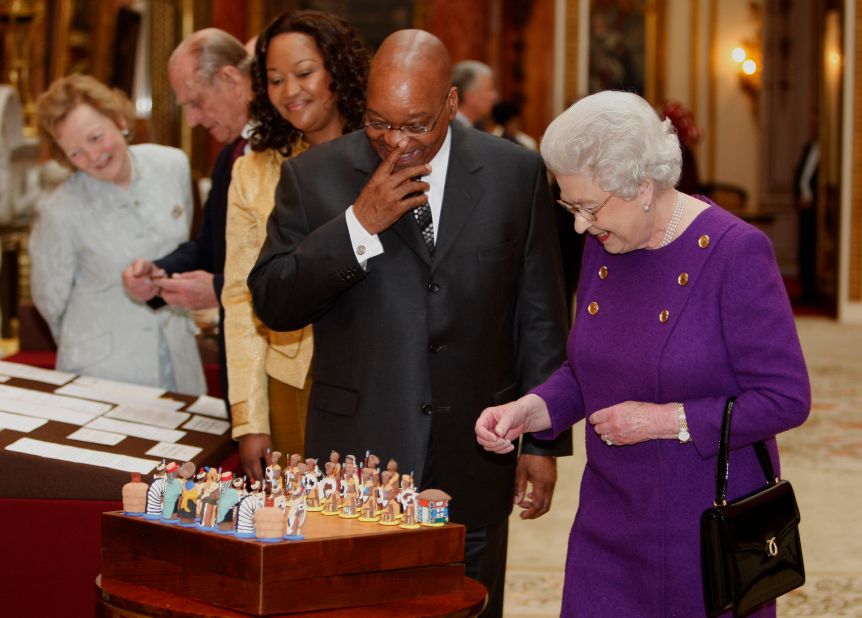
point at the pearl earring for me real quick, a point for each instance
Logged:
(126, 132)
(645, 206)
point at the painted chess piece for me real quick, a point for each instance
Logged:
(312, 486)
(296, 506)
(334, 459)
(432, 507)
(368, 495)
(295, 460)
(278, 497)
(313, 467)
(349, 491)
(330, 487)
(156, 492)
(246, 509)
(348, 459)
(372, 461)
(269, 522)
(187, 509)
(392, 467)
(407, 498)
(210, 492)
(200, 481)
(228, 498)
(386, 498)
(177, 476)
(393, 483)
(273, 472)
(135, 496)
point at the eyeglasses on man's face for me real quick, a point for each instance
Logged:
(587, 213)
(409, 129)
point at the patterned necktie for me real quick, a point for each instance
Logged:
(425, 222)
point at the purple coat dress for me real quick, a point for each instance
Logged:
(634, 548)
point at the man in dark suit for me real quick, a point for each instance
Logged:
(210, 76)
(421, 319)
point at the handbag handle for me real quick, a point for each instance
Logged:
(723, 465)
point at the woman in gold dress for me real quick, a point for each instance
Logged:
(309, 79)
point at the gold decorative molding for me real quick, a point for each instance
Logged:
(20, 21)
(710, 94)
(163, 121)
(570, 69)
(694, 55)
(854, 279)
(655, 19)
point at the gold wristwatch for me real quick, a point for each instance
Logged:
(683, 436)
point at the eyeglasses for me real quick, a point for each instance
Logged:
(587, 213)
(409, 129)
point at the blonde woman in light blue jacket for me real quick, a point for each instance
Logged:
(120, 203)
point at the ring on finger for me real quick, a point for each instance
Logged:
(607, 440)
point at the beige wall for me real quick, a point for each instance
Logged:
(732, 130)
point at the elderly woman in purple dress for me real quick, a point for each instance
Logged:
(679, 306)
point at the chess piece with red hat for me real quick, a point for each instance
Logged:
(231, 493)
(174, 487)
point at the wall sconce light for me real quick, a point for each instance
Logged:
(749, 60)
(748, 68)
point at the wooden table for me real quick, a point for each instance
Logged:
(51, 512)
(122, 600)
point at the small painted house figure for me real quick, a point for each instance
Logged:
(432, 507)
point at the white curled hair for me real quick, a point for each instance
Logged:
(616, 139)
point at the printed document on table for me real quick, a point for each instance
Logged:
(96, 437)
(207, 425)
(75, 454)
(137, 430)
(118, 397)
(16, 422)
(149, 416)
(38, 410)
(17, 393)
(112, 386)
(210, 406)
(49, 376)
(179, 452)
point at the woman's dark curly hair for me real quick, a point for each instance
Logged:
(345, 57)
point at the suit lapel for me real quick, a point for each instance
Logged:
(461, 193)
(365, 159)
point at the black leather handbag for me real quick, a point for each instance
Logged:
(750, 550)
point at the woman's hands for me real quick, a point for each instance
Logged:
(496, 427)
(631, 422)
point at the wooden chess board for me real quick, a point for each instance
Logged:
(339, 563)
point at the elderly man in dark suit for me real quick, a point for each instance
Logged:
(209, 72)
(425, 255)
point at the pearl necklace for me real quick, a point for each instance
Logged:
(674, 221)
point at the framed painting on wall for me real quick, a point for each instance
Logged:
(626, 47)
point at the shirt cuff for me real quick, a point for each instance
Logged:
(365, 245)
